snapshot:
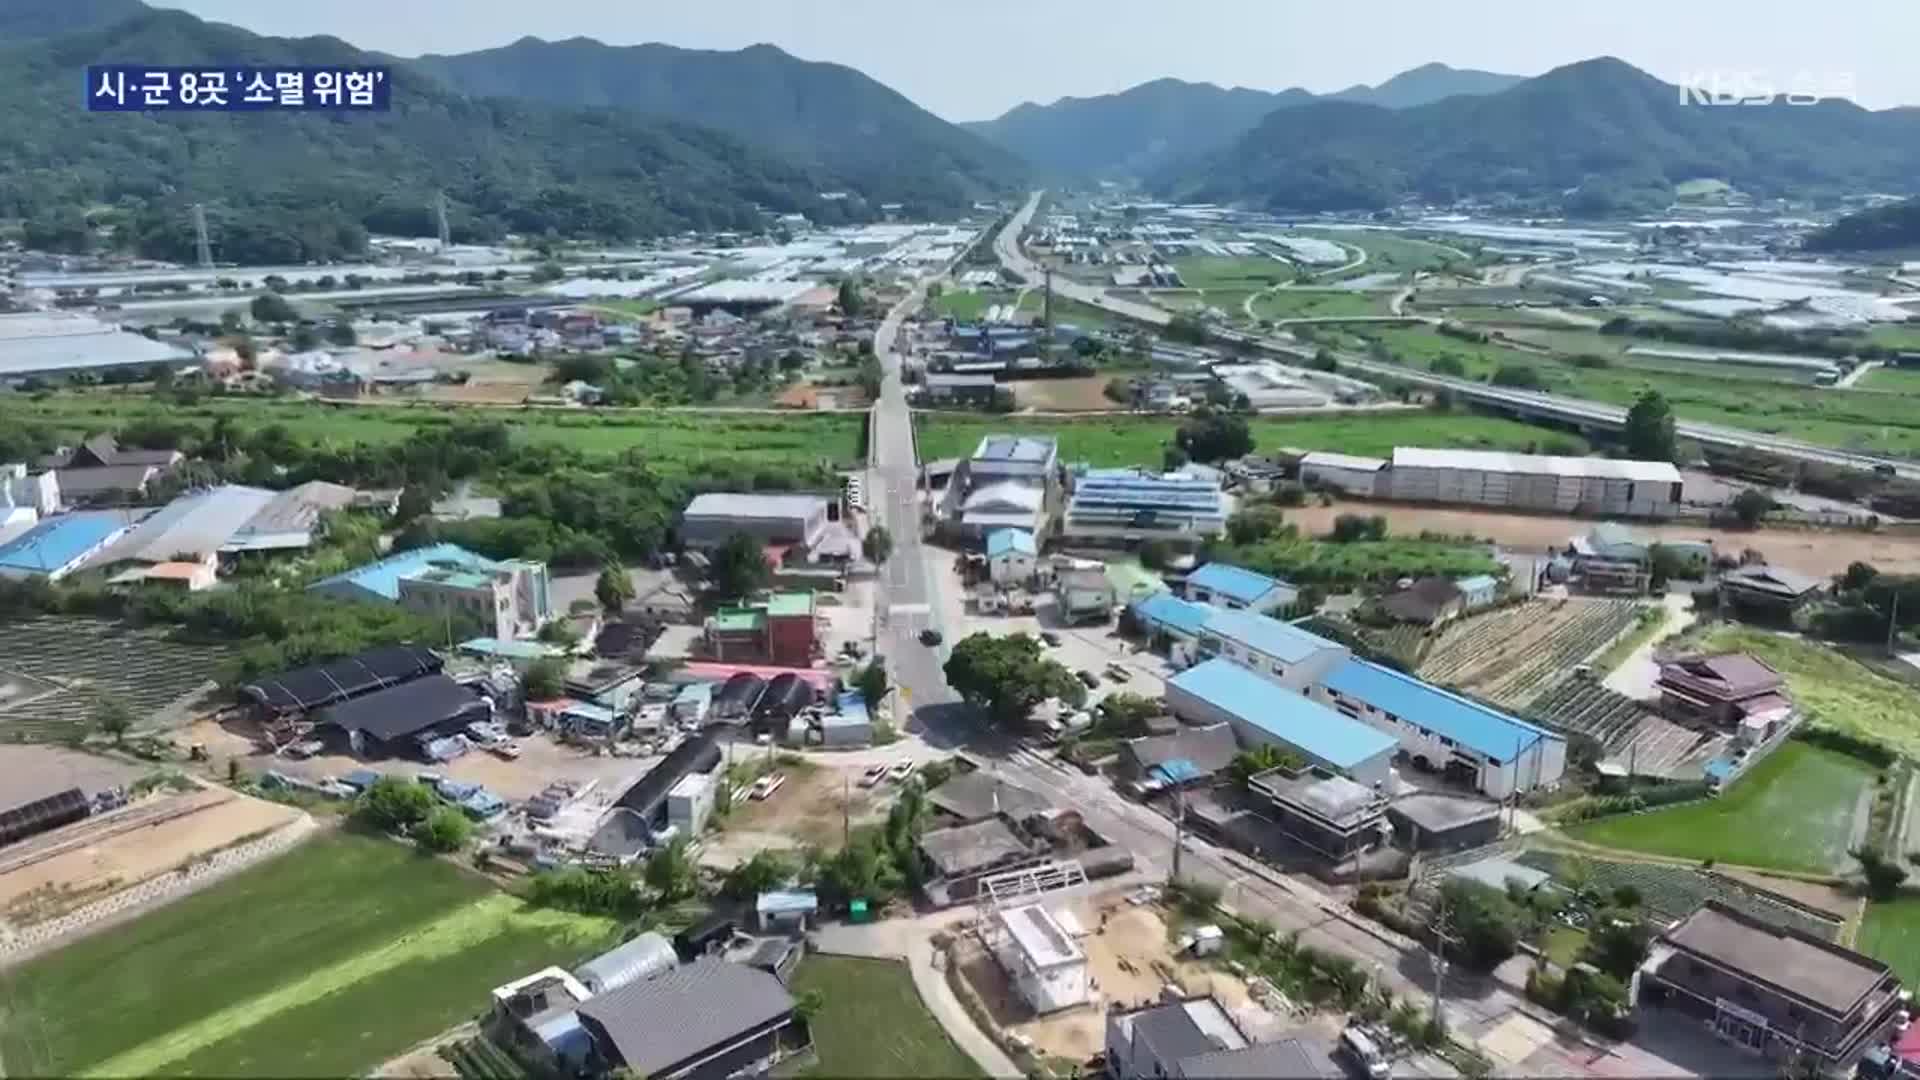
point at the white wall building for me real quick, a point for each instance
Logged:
(21, 490)
(1278, 651)
(1562, 485)
(1046, 966)
(1343, 472)
(1012, 556)
(689, 802)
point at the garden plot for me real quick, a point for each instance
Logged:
(1629, 733)
(1674, 892)
(1510, 656)
(54, 670)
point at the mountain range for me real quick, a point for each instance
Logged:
(1594, 137)
(1142, 129)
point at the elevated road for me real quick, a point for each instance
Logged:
(1575, 412)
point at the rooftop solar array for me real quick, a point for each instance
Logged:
(325, 684)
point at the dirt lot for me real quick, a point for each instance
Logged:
(1064, 395)
(35, 772)
(1817, 552)
(47, 876)
(1129, 960)
(811, 808)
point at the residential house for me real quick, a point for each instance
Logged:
(1236, 589)
(1731, 690)
(536, 1016)
(1780, 992)
(1046, 966)
(1768, 589)
(507, 599)
(101, 470)
(1429, 601)
(1197, 1038)
(705, 1021)
(1012, 556)
(1323, 811)
(778, 630)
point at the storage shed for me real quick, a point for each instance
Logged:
(645, 956)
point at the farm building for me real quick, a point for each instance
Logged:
(707, 1019)
(1478, 591)
(1774, 990)
(690, 802)
(647, 797)
(1728, 689)
(1262, 712)
(99, 470)
(960, 856)
(1277, 650)
(1344, 473)
(1133, 505)
(1497, 753)
(646, 955)
(1563, 485)
(401, 720)
(293, 693)
(1012, 556)
(535, 1016)
(976, 796)
(1227, 586)
(60, 545)
(192, 526)
(1768, 589)
(1047, 967)
(711, 519)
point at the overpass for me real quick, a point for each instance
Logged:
(1577, 413)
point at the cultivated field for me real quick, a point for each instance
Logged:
(322, 962)
(1130, 440)
(1673, 892)
(53, 670)
(1629, 733)
(1317, 304)
(872, 1023)
(1891, 933)
(1830, 688)
(1798, 810)
(1512, 654)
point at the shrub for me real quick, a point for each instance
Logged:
(446, 830)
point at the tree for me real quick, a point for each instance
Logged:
(114, 718)
(1448, 365)
(1485, 920)
(738, 568)
(807, 1004)
(545, 679)
(1008, 676)
(1156, 554)
(1126, 713)
(1258, 759)
(415, 502)
(669, 872)
(341, 333)
(1884, 876)
(1751, 505)
(1859, 575)
(872, 683)
(1649, 431)
(1349, 528)
(1324, 360)
(392, 804)
(613, 588)
(1254, 524)
(1616, 943)
(1518, 376)
(1214, 436)
(766, 871)
(877, 545)
(445, 831)
(304, 338)
(272, 308)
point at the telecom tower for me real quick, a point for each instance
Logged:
(440, 213)
(202, 249)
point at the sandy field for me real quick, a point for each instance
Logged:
(1817, 552)
(47, 876)
(1065, 395)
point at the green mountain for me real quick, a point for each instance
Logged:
(1883, 228)
(1594, 137)
(819, 115)
(293, 187)
(1149, 127)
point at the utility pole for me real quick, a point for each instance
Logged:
(1439, 963)
(1893, 621)
(1179, 830)
(440, 216)
(202, 248)
(846, 815)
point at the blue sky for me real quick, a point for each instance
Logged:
(974, 60)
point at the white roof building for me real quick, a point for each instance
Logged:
(1047, 967)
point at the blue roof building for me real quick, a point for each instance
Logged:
(1134, 504)
(1234, 587)
(1263, 712)
(1011, 542)
(381, 580)
(57, 546)
(1165, 613)
(1270, 646)
(1502, 752)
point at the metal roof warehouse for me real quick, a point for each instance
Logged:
(1646, 472)
(38, 343)
(1266, 712)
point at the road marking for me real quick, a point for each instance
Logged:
(910, 609)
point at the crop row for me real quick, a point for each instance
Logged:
(1673, 892)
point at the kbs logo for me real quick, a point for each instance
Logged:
(1758, 88)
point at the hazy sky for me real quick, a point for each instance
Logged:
(975, 59)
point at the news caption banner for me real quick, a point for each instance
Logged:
(237, 88)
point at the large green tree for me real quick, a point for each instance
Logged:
(738, 568)
(1649, 432)
(613, 588)
(1214, 436)
(877, 545)
(1008, 676)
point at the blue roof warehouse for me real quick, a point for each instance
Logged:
(1263, 712)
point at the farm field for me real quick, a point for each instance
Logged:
(53, 669)
(1903, 380)
(1673, 892)
(1809, 797)
(1067, 310)
(1832, 689)
(676, 438)
(1114, 441)
(967, 305)
(1322, 562)
(1891, 934)
(872, 1022)
(355, 949)
(1895, 337)
(1510, 655)
(1244, 273)
(1387, 252)
(632, 307)
(1317, 304)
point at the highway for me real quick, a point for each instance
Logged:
(1575, 411)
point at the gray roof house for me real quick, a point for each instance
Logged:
(708, 1019)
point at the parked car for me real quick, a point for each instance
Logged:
(900, 771)
(508, 750)
(873, 775)
(1088, 677)
(930, 637)
(1118, 673)
(1051, 638)
(764, 787)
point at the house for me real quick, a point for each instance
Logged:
(536, 1016)
(445, 581)
(1429, 601)
(1274, 649)
(771, 519)
(192, 527)
(647, 954)
(1500, 874)
(1344, 473)
(704, 1021)
(1084, 596)
(977, 796)
(21, 489)
(1438, 822)
(779, 630)
(1322, 811)
(1012, 556)
(60, 545)
(1046, 966)
(1731, 690)
(1263, 712)
(1769, 589)
(961, 855)
(1189, 755)
(1197, 1038)
(100, 470)
(1227, 586)
(1780, 992)
(1488, 749)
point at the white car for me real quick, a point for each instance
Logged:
(899, 773)
(508, 750)
(764, 787)
(873, 775)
